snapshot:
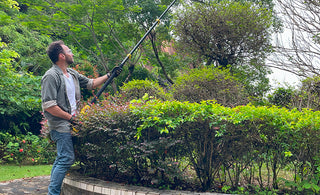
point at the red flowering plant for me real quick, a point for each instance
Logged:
(26, 149)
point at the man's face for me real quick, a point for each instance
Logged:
(68, 54)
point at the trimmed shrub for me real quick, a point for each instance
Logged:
(107, 147)
(136, 89)
(209, 83)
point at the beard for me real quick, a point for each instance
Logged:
(69, 60)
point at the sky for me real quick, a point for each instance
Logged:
(279, 78)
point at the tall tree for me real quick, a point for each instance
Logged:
(228, 34)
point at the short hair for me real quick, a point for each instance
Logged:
(54, 49)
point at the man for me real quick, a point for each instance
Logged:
(60, 91)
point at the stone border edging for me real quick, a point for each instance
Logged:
(82, 185)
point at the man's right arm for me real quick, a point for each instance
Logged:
(58, 112)
(49, 86)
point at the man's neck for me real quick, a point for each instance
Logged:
(63, 67)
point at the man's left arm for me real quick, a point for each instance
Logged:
(100, 80)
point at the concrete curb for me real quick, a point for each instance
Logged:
(81, 185)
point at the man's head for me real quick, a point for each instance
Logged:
(59, 51)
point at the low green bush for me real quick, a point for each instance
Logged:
(201, 146)
(136, 89)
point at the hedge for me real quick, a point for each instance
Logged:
(201, 146)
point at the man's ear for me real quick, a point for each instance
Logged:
(61, 55)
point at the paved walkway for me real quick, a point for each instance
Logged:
(32, 186)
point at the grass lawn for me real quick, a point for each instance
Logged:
(10, 172)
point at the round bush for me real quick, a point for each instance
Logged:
(136, 89)
(207, 84)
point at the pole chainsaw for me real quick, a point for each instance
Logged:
(113, 73)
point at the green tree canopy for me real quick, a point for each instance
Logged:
(103, 32)
(29, 44)
(225, 33)
(228, 34)
(89, 26)
(153, 53)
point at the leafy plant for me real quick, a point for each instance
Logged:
(26, 149)
(19, 94)
(282, 97)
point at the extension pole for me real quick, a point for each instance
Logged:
(130, 54)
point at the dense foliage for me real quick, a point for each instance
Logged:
(225, 32)
(201, 146)
(19, 96)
